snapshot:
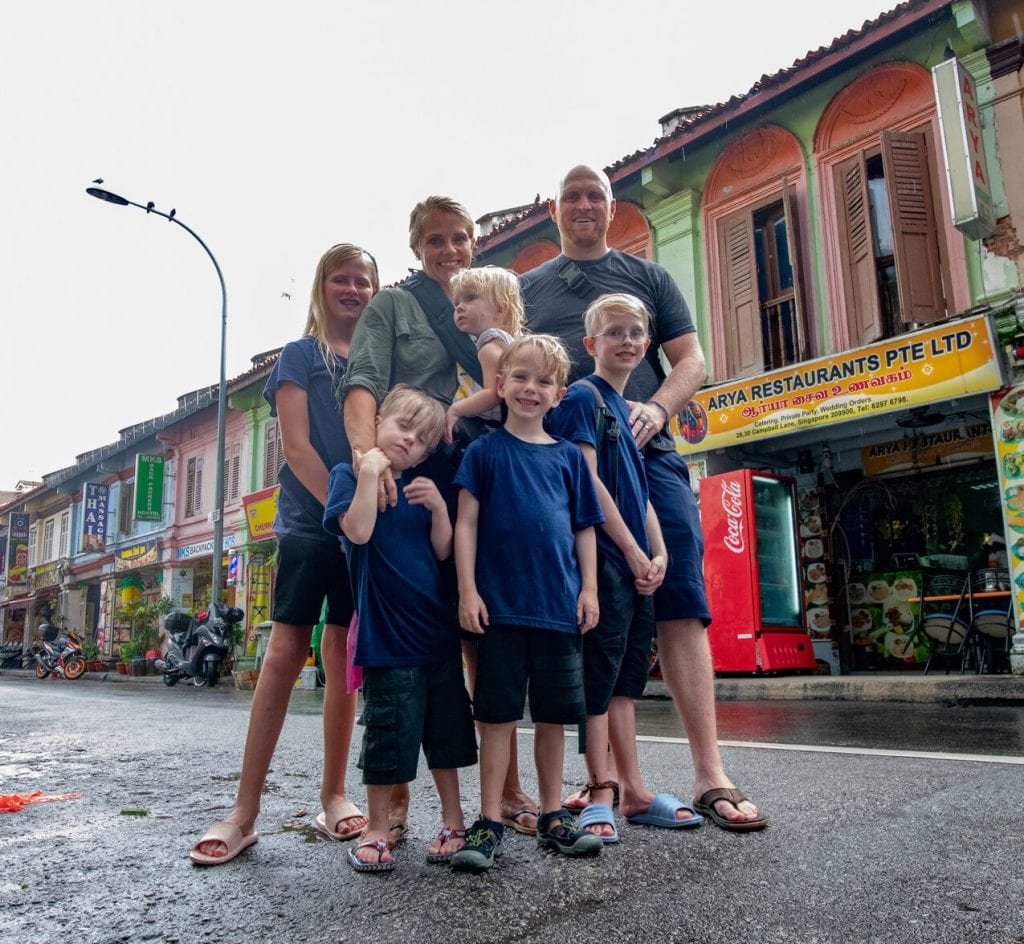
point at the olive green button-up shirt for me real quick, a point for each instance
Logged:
(394, 344)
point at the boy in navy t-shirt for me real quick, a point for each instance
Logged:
(408, 643)
(631, 566)
(527, 566)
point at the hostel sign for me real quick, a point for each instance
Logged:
(938, 363)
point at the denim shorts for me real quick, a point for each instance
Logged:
(681, 595)
(617, 652)
(514, 660)
(404, 709)
(307, 572)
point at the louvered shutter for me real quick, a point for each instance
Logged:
(793, 241)
(743, 348)
(857, 247)
(914, 233)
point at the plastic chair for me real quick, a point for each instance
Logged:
(946, 629)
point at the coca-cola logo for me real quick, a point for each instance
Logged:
(732, 505)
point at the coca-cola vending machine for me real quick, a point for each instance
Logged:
(752, 573)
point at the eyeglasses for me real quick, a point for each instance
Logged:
(617, 335)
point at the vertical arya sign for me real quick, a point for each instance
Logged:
(970, 192)
(149, 488)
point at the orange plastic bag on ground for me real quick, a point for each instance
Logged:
(14, 802)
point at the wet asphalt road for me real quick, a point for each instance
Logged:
(862, 847)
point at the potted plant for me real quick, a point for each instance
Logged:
(128, 651)
(91, 654)
(144, 619)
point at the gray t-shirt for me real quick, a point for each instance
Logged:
(553, 308)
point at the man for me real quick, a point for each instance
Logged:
(556, 295)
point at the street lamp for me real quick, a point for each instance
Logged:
(218, 504)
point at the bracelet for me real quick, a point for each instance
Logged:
(661, 406)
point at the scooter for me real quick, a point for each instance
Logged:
(61, 656)
(197, 644)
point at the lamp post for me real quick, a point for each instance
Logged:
(218, 504)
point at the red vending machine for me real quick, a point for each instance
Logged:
(752, 573)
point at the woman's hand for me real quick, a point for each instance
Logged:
(450, 422)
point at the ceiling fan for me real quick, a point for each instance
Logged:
(919, 417)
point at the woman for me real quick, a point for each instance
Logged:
(303, 392)
(408, 336)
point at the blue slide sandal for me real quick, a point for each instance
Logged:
(662, 812)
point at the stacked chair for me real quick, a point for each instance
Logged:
(946, 626)
(992, 629)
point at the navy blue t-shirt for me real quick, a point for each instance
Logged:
(533, 499)
(396, 582)
(575, 419)
(302, 363)
(552, 308)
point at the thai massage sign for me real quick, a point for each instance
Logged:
(94, 516)
(149, 488)
(935, 364)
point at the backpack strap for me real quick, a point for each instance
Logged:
(607, 431)
(438, 308)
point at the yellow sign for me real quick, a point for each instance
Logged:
(927, 449)
(260, 508)
(934, 364)
(1008, 420)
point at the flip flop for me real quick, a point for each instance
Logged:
(447, 834)
(706, 805)
(339, 813)
(231, 836)
(600, 814)
(662, 812)
(399, 827)
(381, 846)
(512, 821)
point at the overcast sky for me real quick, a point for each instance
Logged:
(278, 133)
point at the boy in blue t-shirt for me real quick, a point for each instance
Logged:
(408, 644)
(527, 567)
(631, 566)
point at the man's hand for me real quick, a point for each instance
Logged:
(645, 421)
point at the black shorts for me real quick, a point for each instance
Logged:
(307, 572)
(514, 660)
(617, 652)
(681, 595)
(404, 709)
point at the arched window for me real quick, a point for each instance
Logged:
(532, 255)
(892, 257)
(629, 231)
(752, 206)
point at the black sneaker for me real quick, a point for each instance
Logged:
(567, 837)
(483, 846)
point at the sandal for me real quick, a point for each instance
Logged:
(580, 800)
(231, 836)
(512, 821)
(380, 846)
(446, 835)
(340, 812)
(706, 807)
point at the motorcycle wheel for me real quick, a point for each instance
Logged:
(199, 680)
(171, 678)
(75, 668)
(212, 672)
(41, 673)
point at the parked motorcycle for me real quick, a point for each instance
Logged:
(58, 654)
(197, 645)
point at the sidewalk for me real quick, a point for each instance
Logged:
(938, 688)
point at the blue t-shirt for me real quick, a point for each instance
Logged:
(533, 499)
(575, 419)
(552, 308)
(302, 363)
(396, 581)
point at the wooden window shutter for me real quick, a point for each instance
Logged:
(271, 454)
(793, 240)
(857, 249)
(743, 349)
(232, 463)
(190, 488)
(199, 485)
(914, 233)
